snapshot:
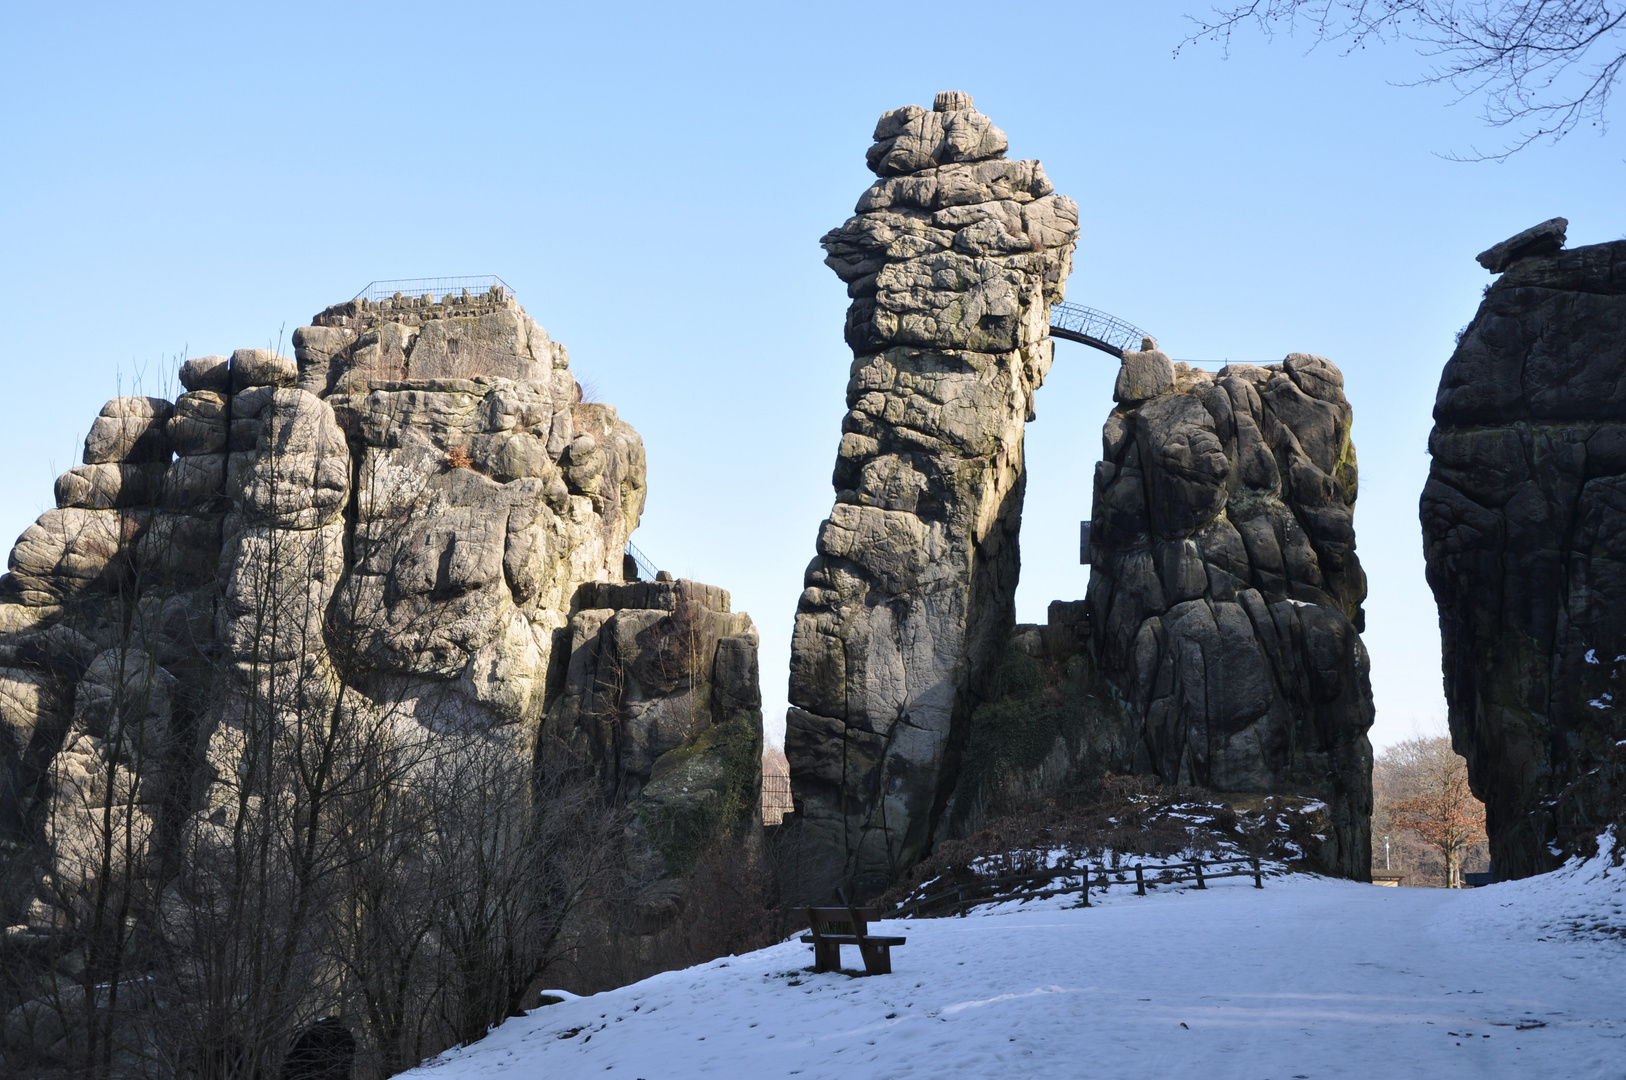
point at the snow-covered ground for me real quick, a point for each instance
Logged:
(1309, 977)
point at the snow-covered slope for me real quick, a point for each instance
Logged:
(1309, 977)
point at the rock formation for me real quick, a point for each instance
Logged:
(952, 260)
(661, 702)
(386, 538)
(1218, 646)
(1225, 593)
(1525, 538)
(1048, 724)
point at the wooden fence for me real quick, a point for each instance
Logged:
(962, 896)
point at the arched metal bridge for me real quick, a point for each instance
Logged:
(1097, 329)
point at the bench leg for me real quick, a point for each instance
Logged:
(877, 959)
(826, 956)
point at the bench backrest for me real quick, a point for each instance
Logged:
(840, 920)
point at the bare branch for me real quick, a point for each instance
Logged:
(1540, 67)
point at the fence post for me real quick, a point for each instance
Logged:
(1086, 886)
(1197, 864)
(1140, 881)
(1258, 881)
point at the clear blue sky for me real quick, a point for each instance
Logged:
(653, 181)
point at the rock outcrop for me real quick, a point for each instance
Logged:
(952, 260)
(1048, 724)
(350, 345)
(385, 540)
(1524, 530)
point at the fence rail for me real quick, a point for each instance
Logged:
(962, 896)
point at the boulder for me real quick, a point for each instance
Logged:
(207, 373)
(129, 429)
(110, 487)
(1544, 239)
(71, 552)
(1143, 374)
(261, 367)
(199, 425)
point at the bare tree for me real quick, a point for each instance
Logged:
(1541, 68)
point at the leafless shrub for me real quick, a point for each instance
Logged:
(1131, 817)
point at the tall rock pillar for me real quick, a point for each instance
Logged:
(953, 260)
(1524, 530)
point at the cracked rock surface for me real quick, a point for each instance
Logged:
(661, 702)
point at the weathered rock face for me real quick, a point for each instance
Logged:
(293, 538)
(953, 260)
(451, 337)
(1225, 594)
(1526, 545)
(1048, 724)
(659, 698)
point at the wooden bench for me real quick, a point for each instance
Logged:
(833, 927)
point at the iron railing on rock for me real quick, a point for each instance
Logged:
(474, 285)
(646, 569)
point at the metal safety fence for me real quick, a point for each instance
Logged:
(436, 288)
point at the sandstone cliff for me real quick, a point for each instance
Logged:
(1523, 532)
(382, 543)
(952, 260)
